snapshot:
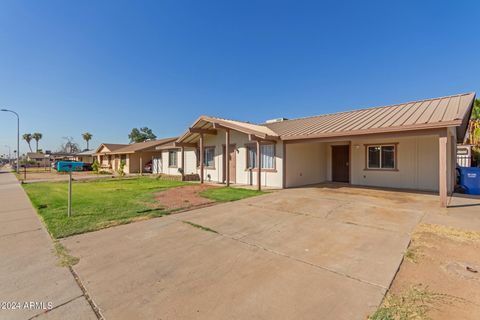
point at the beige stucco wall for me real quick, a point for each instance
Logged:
(190, 162)
(306, 164)
(417, 163)
(243, 176)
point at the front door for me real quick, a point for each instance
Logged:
(232, 161)
(341, 163)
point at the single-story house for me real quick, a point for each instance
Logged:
(408, 145)
(40, 159)
(104, 156)
(135, 155)
(85, 156)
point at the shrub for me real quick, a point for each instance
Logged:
(120, 168)
(95, 166)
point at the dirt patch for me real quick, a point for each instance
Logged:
(183, 197)
(447, 262)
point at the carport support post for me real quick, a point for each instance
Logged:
(259, 166)
(442, 166)
(201, 157)
(182, 162)
(141, 165)
(227, 157)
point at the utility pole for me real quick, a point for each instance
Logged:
(18, 137)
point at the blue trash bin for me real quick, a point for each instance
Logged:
(470, 180)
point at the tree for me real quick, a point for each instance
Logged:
(142, 134)
(87, 136)
(28, 138)
(37, 136)
(476, 110)
(70, 146)
(474, 126)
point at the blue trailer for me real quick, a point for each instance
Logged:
(470, 180)
(67, 166)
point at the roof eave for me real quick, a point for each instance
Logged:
(228, 125)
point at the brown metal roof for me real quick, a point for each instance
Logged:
(416, 115)
(143, 146)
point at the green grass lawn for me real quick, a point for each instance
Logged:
(96, 204)
(100, 204)
(226, 194)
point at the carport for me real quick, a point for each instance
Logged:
(408, 146)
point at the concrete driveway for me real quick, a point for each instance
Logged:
(309, 253)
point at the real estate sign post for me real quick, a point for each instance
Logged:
(69, 166)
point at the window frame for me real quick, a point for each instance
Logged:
(381, 145)
(205, 166)
(254, 145)
(176, 159)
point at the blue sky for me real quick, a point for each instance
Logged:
(107, 66)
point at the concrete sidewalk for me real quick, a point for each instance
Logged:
(29, 270)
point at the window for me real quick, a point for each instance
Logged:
(208, 157)
(251, 156)
(267, 152)
(172, 158)
(381, 157)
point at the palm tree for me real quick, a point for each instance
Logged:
(37, 136)
(474, 127)
(28, 137)
(87, 136)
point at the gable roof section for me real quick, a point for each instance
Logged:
(416, 115)
(109, 146)
(207, 122)
(143, 146)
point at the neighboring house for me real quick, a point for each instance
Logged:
(85, 156)
(40, 159)
(410, 145)
(135, 155)
(58, 156)
(104, 156)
